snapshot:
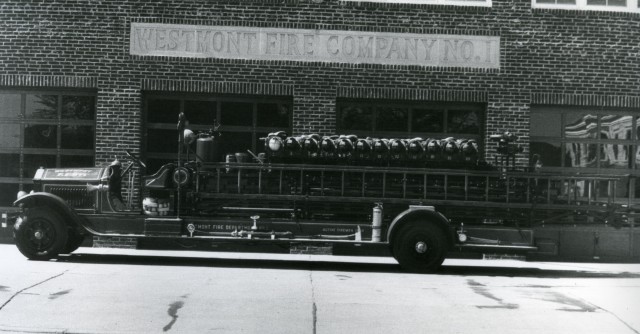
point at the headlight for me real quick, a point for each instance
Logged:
(21, 194)
(275, 144)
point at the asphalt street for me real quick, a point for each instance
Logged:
(134, 291)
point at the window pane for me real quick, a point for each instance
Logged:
(8, 193)
(581, 126)
(597, 2)
(9, 135)
(392, 119)
(546, 1)
(162, 141)
(620, 3)
(34, 161)
(9, 105)
(163, 111)
(78, 107)
(580, 155)
(273, 115)
(616, 127)
(426, 120)
(550, 153)
(77, 137)
(42, 106)
(9, 165)
(566, 2)
(40, 136)
(153, 165)
(356, 118)
(615, 156)
(234, 142)
(463, 121)
(200, 112)
(77, 161)
(236, 113)
(259, 143)
(546, 124)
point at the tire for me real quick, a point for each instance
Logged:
(420, 247)
(41, 234)
(73, 242)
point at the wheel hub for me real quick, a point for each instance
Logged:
(421, 247)
(38, 235)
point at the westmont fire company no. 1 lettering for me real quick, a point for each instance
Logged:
(153, 39)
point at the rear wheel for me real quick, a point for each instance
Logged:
(41, 234)
(420, 247)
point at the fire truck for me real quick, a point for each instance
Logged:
(420, 199)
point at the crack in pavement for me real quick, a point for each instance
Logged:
(314, 310)
(619, 319)
(29, 287)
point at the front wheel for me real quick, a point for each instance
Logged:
(41, 234)
(420, 247)
(74, 241)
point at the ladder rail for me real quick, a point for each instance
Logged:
(418, 184)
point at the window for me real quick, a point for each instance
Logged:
(43, 129)
(406, 120)
(243, 122)
(478, 3)
(591, 140)
(583, 138)
(601, 5)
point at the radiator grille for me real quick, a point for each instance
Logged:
(76, 196)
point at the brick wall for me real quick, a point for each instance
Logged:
(546, 55)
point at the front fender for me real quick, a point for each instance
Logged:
(420, 212)
(53, 202)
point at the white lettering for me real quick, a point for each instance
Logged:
(332, 45)
(349, 46)
(466, 50)
(314, 45)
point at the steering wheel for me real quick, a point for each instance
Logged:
(135, 159)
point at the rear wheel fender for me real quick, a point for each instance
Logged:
(418, 215)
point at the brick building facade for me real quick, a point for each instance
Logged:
(552, 62)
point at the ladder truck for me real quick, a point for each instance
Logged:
(419, 199)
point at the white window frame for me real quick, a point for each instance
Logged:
(632, 6)
(480, 3)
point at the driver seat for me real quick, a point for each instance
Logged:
(115, 187)
(161, 179)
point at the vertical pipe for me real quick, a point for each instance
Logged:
(181, 125)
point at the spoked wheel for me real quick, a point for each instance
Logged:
(41, 234)
(420, 247)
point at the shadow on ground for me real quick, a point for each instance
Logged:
(451, 270)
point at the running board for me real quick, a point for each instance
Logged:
(485, 247)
